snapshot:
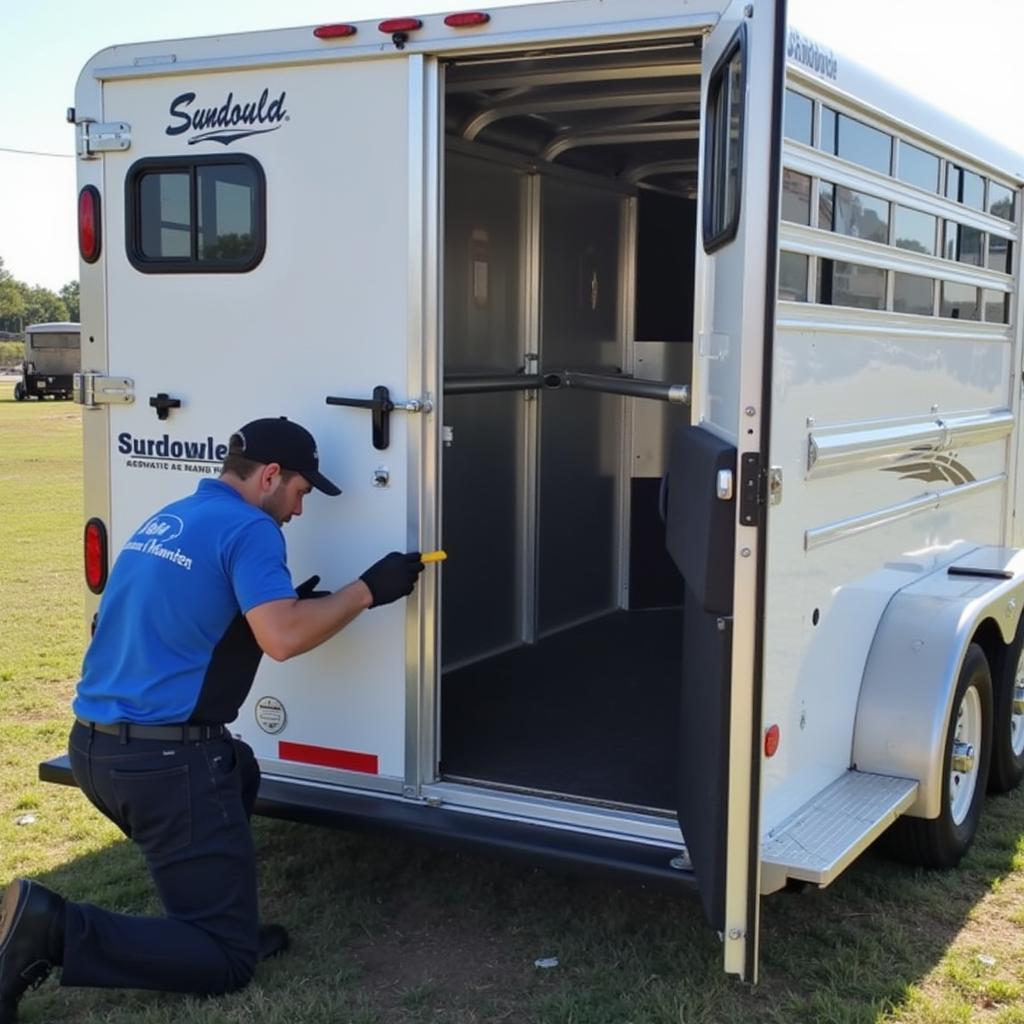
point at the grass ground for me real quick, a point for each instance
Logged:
(386, 932)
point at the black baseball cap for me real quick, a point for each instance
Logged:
(286, 443)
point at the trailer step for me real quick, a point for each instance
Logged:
(819, 840)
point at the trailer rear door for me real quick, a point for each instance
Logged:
(738, 208)
(265, 240)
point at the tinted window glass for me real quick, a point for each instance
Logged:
(792, 277)
(858, 143)
(960, 301)
(796, 197)
(997, 306)
(195, 214)
(953, 174)
(999, 254)
(914, 230)
(725, 118)
(913, 294)
(969, 250)
(826, 205)
(973, 191)
(1000, 201)
(828, 130)
(797, 117)
(166, 227)
(59, 340)
(918, 167)
(851, 284)
(861, 215)
(950, 240)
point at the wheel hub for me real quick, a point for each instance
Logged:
(963, 757)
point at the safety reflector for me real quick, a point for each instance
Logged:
(328, 757)
(393, 25)
(334, 31)
(89, 223)
(95, 550)
(466, 19)
(771, 740)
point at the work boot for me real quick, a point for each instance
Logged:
(31, 941)
(273, 939)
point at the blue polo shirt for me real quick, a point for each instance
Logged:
(171, 642)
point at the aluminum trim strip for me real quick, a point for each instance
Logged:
(335, 777)
(844, 528)
(846, 449)
(801, 316)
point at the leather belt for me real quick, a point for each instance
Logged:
(183, 733)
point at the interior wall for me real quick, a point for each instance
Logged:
(581, 432)
(482, 470)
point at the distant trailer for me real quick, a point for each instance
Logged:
(52, 357)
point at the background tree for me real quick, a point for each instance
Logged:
(12, 301)
(43, 306)
(69, 295)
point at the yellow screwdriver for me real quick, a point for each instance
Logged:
(433, 556)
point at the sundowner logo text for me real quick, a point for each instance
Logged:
(228, 122)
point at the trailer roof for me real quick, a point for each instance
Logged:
(56, 327)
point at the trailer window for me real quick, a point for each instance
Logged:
(798, 117)
(963, 244)
(195, 214)
(855, 141)
(915, 230)
(913, 294)
(792, 277)
(996, 305)
(796, 197)
(965, 187)
(917, 167)
(59, 340)
(1000, 201)
(850, 284)
(999, 254)
(960, 301)
(724, 152)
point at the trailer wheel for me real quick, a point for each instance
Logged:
(1007, 768)
(19, 392)
(942, 841)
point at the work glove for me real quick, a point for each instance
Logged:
(308, 589)
(392, 577)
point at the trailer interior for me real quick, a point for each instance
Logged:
(570, 232)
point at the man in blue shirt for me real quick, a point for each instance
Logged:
(198, 594)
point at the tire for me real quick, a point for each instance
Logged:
(19, 392)
(942, 841)
(1007, 767)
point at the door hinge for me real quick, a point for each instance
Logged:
(94, 389)
(95, 138)
(752, 488)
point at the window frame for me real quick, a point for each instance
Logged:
(724, 233)
(191, 264)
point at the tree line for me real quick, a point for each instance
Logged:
(22, 304)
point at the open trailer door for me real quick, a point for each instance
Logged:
(717, 477)
(271, 268)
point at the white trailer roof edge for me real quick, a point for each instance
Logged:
(55, 327)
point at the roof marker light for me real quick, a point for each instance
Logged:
(466, 19)
(334, 31)
(89, 223)
(393, 25)
(771, 740)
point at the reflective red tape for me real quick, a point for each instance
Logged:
(328, 757)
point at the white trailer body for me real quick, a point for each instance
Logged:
(541, 229)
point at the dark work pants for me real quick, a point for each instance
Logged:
(187, 807)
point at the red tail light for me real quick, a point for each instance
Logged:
(393, 25)
(95, 551)
(771, 740)
(466, 19)
(334, 31)
(89, 223)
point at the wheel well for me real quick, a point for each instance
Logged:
(990, 640)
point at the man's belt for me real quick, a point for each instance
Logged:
(183, 733)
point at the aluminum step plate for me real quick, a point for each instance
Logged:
(820, 839)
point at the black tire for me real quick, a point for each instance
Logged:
(942, 841)
(19, 391)
(1007, 767)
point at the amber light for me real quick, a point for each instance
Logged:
(334, 31)
(89, 223)
(466, 19)
(393, 25)
(95, 550)
(771, 740)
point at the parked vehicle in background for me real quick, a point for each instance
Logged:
(52, 357)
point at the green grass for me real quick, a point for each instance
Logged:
(388, 932)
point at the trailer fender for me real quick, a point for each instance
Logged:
(912, 667)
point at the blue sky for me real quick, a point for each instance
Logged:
(963, 57)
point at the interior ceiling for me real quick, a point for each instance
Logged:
(631, 114)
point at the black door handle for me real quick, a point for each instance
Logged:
(163, 404)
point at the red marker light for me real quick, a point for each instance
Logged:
(771, 740)
(94, 543)
(393, 25)
(467, 19)
(334, 31)
(89, 223)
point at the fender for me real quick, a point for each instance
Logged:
(906, 693)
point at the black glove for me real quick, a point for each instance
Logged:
(307, 589)
(392, 577)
